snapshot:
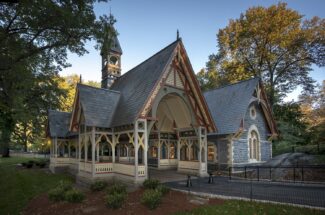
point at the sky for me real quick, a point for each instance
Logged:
(147, 26)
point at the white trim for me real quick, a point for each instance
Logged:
(253, 128)
(252, 108)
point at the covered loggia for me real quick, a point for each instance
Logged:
(175, 139)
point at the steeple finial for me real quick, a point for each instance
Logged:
(80, 79)
(177, 35)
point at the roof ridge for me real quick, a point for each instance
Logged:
(98, 88)
(150, 58)
(228, 85)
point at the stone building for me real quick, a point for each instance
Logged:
(154, 115)
(245, 125)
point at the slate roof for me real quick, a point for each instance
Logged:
(98, 105)
(116, 47)
(228, 104)
(59, 123)
(136, 85)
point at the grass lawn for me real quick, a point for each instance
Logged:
(232, 207)
(18, 186)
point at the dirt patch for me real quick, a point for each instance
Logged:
(94, 204)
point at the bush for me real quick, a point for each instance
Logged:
(56, 194)
(115, 200)
(29, 164)
(98, 186)
(64, 186)
(40, 163)
(163, 189)
(151, 184)
(73, 196)
(151, 198)
(116, 188)
(24, 164)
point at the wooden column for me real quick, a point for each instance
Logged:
(136, 147)
(178, 150)
(93, 145)
(114, 140)
(200, 148)
(56, 147)
(159, 150)
(97, 147)
(69, 149)
(145, 157)
(79, 149)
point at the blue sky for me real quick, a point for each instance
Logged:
(146, 26)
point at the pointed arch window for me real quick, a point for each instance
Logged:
(254, 146)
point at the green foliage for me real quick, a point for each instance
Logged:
(35, 40)
(163, 189)
(273, 43)
(98, 186)
(116, 188)
(151, 198)
(56, 195)
(74, 196)
(151, 183)
(115, 200)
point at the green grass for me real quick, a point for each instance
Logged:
(18, 186)
(232, 207)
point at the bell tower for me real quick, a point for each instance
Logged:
(111, 60)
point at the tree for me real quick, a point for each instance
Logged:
(313, 108)
(273, 43)
(34, 41)
(292, 127)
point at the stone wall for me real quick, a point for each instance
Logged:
(240, 144)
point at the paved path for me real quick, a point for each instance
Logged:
(166, 175)
(310, 195)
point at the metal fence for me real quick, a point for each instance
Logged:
(306, 195)
(296, 174)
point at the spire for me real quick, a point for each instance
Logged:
(80, 79)
(177, 35)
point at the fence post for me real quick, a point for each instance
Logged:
(270, 173)
(245, 173)
(230, 173)
(302, 173)
(251, 193)
(294, 174)
(258, 173)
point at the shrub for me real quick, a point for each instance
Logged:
(151, 184)
(151, 198)
(116, 188)
(56, 194)
(98, 185)
(115, 200)
(73, 196)
(24, 164)
(163, 189)
(29, 164)
(64, 186)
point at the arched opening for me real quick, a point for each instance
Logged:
(253, 145)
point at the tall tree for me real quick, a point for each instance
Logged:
(34, 41)
(273, 43)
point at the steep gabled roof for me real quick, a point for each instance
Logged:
(98, 105)
(228, 104)
(58, 123)
(136, 85)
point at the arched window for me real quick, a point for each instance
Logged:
(113, 60)
(163, 151)
(195, 151)
(254, 145)
(183, 153)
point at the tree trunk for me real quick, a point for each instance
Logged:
(5, 138)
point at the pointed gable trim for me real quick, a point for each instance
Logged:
(179, 61)
(158, 85)
(194, 90)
